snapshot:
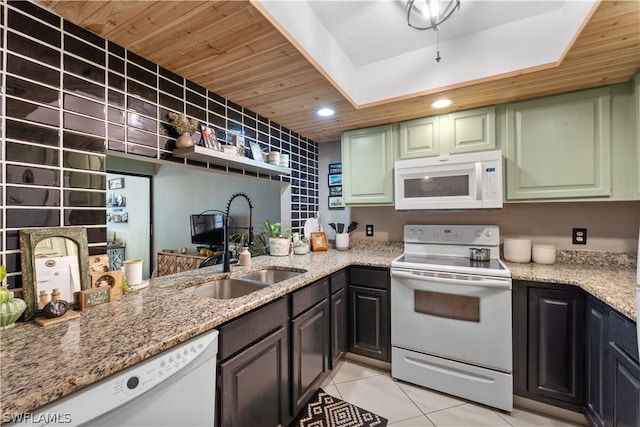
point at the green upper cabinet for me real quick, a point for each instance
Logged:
(420, 138)
(460, 132)
(559, 147)
(637, 120)
(471, 130)
(367, 165)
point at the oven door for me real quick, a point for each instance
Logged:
(462, 317)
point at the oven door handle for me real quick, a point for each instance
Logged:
(482, 283)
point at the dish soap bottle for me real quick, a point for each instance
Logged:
(244, 259)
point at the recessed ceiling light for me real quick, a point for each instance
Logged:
(326, 112)
(441, 103)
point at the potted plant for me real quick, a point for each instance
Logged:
(185, 127)
(10, 308)
(278, 244)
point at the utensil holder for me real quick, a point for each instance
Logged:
(342, 241)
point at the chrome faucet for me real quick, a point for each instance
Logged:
(225, 255)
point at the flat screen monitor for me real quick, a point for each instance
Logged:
(207, 229)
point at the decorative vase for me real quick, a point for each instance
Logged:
(184, 140)
(11, 311)
(279, 246)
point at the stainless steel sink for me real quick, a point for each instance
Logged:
(270, 276)
(225, 288)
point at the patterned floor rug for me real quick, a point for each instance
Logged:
(324, 410)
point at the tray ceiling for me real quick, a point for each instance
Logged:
(248, 53)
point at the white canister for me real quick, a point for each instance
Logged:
(517, 250)
(342, 241)
(244, 259)
(543, 254)
(133, 271)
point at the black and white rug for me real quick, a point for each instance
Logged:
(324, 410)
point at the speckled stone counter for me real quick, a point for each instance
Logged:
(39, 365)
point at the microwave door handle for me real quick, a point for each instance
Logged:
(478, 180)
(483, 283)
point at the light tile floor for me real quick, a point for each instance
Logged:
(408, 405)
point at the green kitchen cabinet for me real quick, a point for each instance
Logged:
(636, 81)
(559, 147)
(471, 130)
(420, 138)
(455, 133)
(367, 165)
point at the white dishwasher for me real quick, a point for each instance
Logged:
(175, 388)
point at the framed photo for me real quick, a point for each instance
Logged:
(335, 168)
(209, 138)
(336, 202)
(116, 184)
(335, 190)
(91, 297)
(238, 141)
(111, 279)
(318, 241)
(335, 179)
(256, 152)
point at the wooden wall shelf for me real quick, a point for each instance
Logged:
(202, 154)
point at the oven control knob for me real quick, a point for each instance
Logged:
(488, 233)
(478, 233)
(420, 231)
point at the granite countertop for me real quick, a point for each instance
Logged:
(42, 364)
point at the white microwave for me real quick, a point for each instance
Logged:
(460, 181)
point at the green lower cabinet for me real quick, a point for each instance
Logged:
(559, 147)
(368, 156)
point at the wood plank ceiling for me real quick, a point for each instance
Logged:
(231, 49)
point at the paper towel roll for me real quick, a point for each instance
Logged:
(133, 271)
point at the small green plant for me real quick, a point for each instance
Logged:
(273, 230)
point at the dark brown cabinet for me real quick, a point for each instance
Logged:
(338, 309)
(369, 316)
(310, 341)
(549, 337)
(254, 368)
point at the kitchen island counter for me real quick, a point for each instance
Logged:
(40, 365)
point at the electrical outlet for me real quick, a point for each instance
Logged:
(369, 228)
(579, 236)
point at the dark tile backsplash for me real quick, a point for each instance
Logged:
(71, 96)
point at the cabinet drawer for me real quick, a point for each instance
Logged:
(240, 333)
(338, 281)
(369, 277)
(623, 333)
(309, 296)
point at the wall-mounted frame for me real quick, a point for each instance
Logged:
(318, 241)
(335, 179)
(47, 251)
(336, 202)
(335, 168)
(116, 183)
(335, 190)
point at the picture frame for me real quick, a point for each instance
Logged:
(256, 152)
(209, 138)
(239, 142)
(336, 202)
(335, 190)
(116, 183)
(112, 279)
(92, 297)
(335, 168)
(335, 179)
(318, 241)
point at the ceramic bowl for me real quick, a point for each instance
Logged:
(543, 254)
(517, 250)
